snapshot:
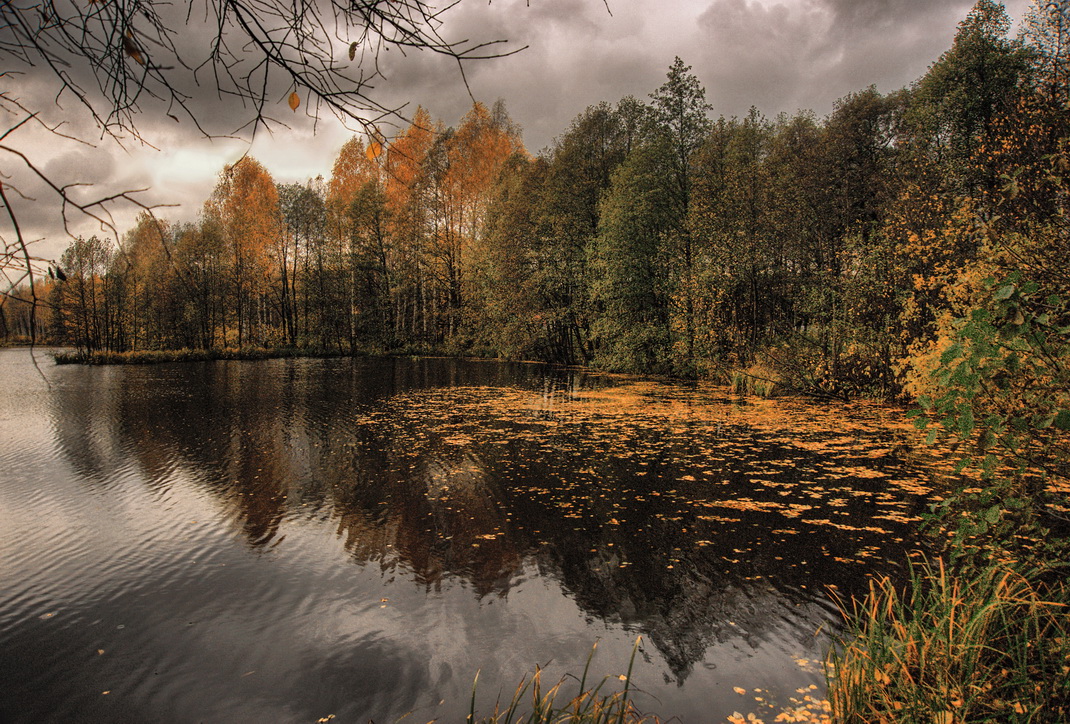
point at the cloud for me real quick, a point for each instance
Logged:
(782, 56)
(778, 55)
(805, 54)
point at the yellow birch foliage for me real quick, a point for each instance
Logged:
(353, 168)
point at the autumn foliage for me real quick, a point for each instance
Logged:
(828, 253)
(913, 244)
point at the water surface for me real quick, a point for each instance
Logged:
(286, 540)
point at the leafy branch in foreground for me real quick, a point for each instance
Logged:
(998, 383)
(1004, 395)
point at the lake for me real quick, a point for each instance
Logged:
(285, 540)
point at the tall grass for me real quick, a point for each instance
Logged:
(532, 703)
(756, 380)
(975, 646)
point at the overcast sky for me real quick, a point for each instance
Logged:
(777, 55)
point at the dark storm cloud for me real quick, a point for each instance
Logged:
(575, 54)
(778, 55)
(789, 55)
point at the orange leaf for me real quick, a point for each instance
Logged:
(131, 48)
(374, 149)
(294, 101)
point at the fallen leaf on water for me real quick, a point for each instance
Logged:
(739, 690)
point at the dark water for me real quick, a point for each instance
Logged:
(281, 541)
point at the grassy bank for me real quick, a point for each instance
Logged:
(976, 645)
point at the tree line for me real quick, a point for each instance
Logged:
(828, 254)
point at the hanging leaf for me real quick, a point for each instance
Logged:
(374, 150)
(131, 49)
(352, 51)
(294, 101)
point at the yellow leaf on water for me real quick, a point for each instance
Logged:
(739, 690)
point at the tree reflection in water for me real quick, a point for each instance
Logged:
(676, 510)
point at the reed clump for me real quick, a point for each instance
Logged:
(976, 645)
(533, 703)
(758, 380)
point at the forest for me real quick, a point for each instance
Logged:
(824, 256)
(910, 246)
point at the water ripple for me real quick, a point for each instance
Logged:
(286, 540)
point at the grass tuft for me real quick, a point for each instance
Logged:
(975, 646)
(758, 380)
(532, 703)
